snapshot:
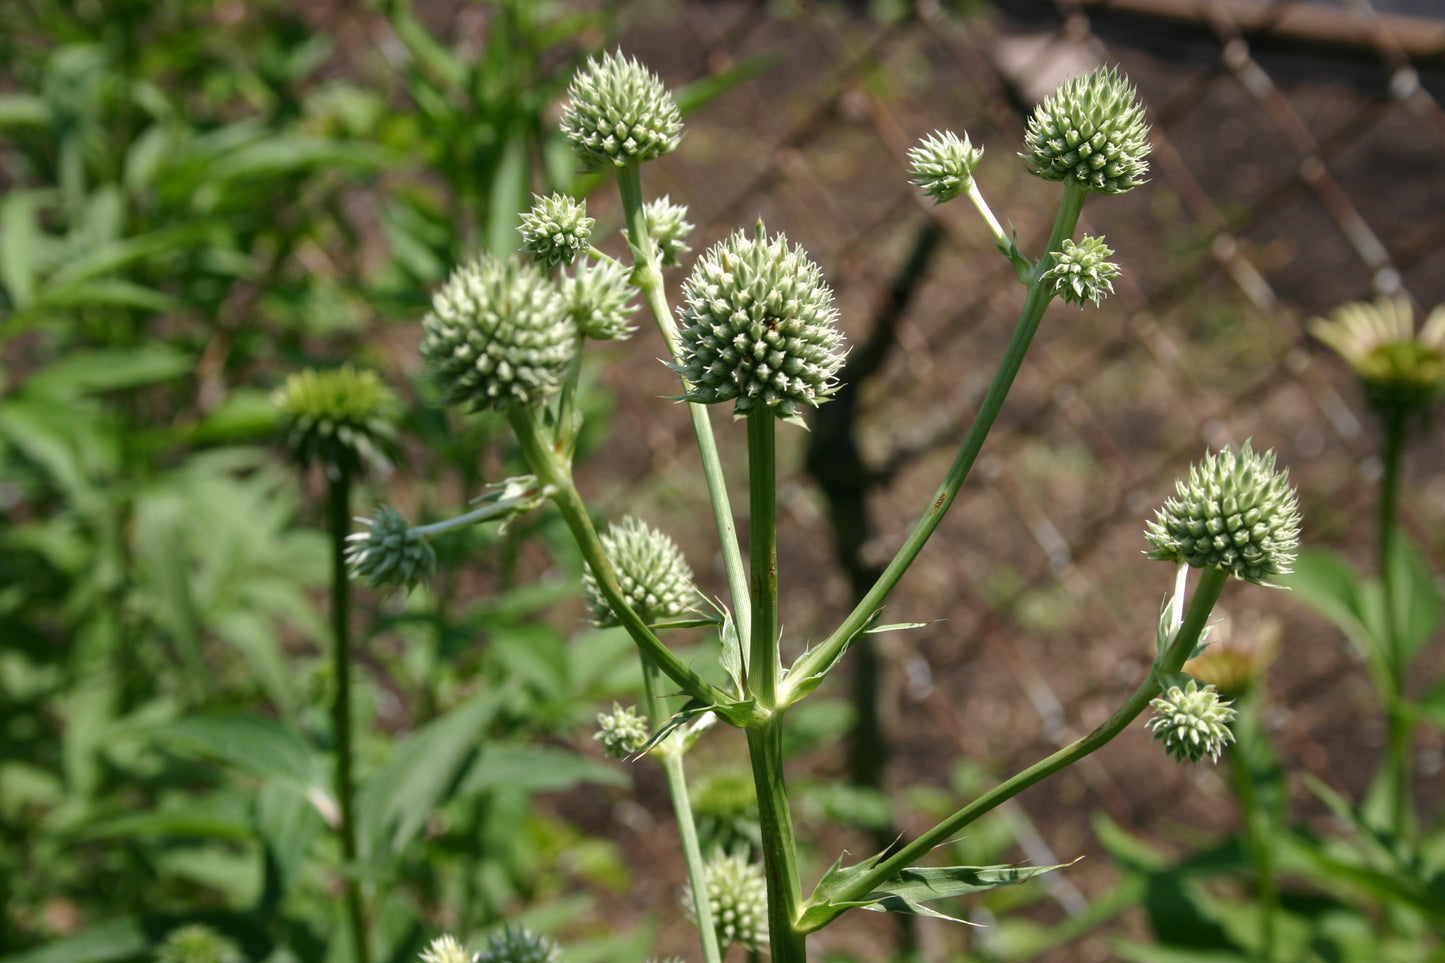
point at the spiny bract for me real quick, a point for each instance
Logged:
(1090, 133)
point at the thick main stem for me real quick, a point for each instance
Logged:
(780, 850)
(763, 665)
(338, 505)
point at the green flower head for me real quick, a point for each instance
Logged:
(1081, 273)
(446, 949)
(1193, 722)
(1399, 369)
(556, 230)
(341, 417)
(655, 578)
(619, 113)
(518, 946)
(668, 226)
(498, 334)
(942, 165)
(622, 732)
(737, 895)
(599, 299)
(390, 553)
(758, 327)
(1234, 513)
(1090, 133)
(197, 943)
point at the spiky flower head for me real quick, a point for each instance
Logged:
(518, 946)
(556, 230)
(619, 113)
(1081, 273)
(1193, 722)
(390, 553)
(942, 165)
(599, 300)
(655, 578)
(1400, 370)
(1234, 513)
(668, 226)
(737, 895)
(446, 949)
(1090, 133)
(622, 732)
(342, 417)
(197, 943)
(758, 325)
(498, 334)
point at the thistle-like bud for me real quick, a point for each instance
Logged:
(1090, 133)
(619, 113)
(758, 325)
(668, 226)
(519, 946)
(197, 943)
(737, 895)
(1400, 370)
(1193, 722)
(1080, 272)
(599, 300)
(655, 578)
(556, 230)
(446, 949)
(1235, 513)
(390, 553)
(498, 334)
(622, 732)
(341, 417)
(942, 165)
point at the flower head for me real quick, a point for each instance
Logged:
(1193, 722)
(619, 113)
(1235, 513)
(758, 325)
(1090, 133)
(197, 943)
(737, 895)
(519, 946)
(668, 227)
(342, 417)
(1080, 272)
(622, 732)
(390, 552)
(446, 949)
(556, 230)
(498, 334)
(655, 578)
(599, 300)
(942, 165)
(1400, 370)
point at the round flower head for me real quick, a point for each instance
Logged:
(668, 227)
(1193, 722)
(518, 946)
(341, 417)
(943, 165)
(446, 949)
(197, 943)
(498, 334)
(556, 230)
(619, 113)
(737, 895)
(1090, 133)
(390, 552)
(656, 580)
(1080, 272)
(1235, 513)
(600, 300)
(622, 732)
(758, 325)
(1399, 369)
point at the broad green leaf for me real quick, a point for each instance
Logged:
(287, 824)
(20, 240)
(535, 769)
(252, 744)
(217, 816)
(1419, 604)
(109, 369)
(119, 939)
(1327, 583)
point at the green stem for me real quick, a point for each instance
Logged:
(763, 665)
(1400, 734)
(1257, 828)
(338, 505)
(780, 851)
(801, 678)
(1211, 583)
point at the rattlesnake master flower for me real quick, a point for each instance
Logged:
(1193, 722)
(341, 417)
(599, 299)
(1081, 273)
(737, 894)
(622, 732)
(942, 165)
(619, 113)
(655, 578)
(1090, 133)
(1399, 369)
(446, 949)
(197, 943)
(1235, 513)
(556, 230)
(519, 946)
(390, 553)
(758, 325)
(498, 334)
(668, 226)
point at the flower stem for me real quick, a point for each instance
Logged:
(763, 664)
(1398, 713)
(780, 851)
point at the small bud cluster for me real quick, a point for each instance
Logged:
(1081, 273)
(1399, 369)
(655, 578)
(1235, 513)
(446, 949)
(758, 326)
(197, 943)
(556, 230)
(668, 226)
(340, 417)
(519, 946)
(390, 553)
(599, 300)
(737, 895)
(622, 732)
(1090, 133)
(1193, 722)
(619, 113)
(942, 165)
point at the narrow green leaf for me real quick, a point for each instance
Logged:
(252, 744)
(1418, 603)
(114, 940)
(1329, 585)
(23, 110)
(110, 369)
(20, 240)
(535, 769)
